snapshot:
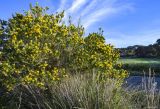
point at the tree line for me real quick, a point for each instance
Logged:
(150, 51)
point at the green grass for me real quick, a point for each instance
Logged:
(137, 66)
(140, 61)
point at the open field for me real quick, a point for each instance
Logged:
(140, 61)
(138, 66)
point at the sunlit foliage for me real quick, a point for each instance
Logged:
(41, 49)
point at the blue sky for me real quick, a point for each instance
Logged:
(125, 22)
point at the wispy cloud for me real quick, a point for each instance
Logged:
(89, 7)
(96, 16)
(62, 5)
(92, 11)
(76, 5)
(105, 10)
(74, 9)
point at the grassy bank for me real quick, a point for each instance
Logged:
(137, 66)
(82, 92)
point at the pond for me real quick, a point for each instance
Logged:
(142, 82)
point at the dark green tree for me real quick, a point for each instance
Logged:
(158, 41)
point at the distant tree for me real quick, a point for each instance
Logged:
(158, 42)
(157, 47)
(140, 52)
(150, 51)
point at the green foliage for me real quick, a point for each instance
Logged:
(158, 41)
(102, 57)
(33, 42)
(40, 49)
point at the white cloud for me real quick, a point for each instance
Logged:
(90, 7)
(73, 8)
(62, 5)
(77, 4)
(105, 10)
(92, 11)
(96, 16)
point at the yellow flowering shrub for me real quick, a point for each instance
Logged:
(32, 51)
(103, 57)
(41, 49)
